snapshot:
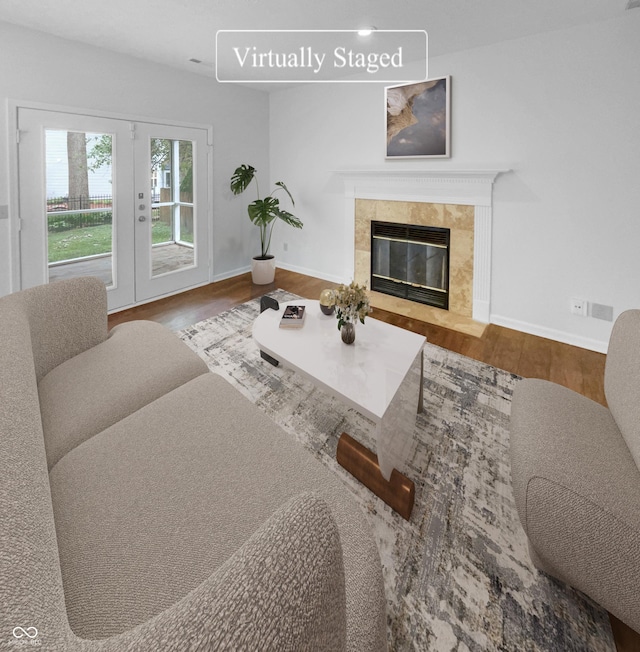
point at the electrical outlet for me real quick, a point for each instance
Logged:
(285, 246)
(578, 306)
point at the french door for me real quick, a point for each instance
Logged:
(124, 201)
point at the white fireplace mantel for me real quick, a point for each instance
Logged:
(444, 186)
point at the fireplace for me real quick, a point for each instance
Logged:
(460, 200)
(411, 262)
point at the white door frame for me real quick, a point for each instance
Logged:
(13, 136)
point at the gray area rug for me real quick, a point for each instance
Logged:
(457, 575)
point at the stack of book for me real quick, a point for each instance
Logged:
(293, 317)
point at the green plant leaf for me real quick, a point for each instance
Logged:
(287, 217)
(281, 185)
(263, 211)
(241, 178)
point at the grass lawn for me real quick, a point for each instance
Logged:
(92, 240)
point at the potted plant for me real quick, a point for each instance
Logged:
(263, 213)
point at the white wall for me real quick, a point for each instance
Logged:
(42, 68)
(561, 110)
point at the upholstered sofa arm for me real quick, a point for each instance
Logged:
(564, 438)
(577, 491)
(65, 319)
(283, 590)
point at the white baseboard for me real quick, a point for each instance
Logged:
(309, 272)
(551, 334)
(481, 312)
(291, 268)
(157, 298)
(230, 274)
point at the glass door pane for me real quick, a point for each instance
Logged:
(172, 182)
(172, 215)
(79, 204)
(76, 196)
(127, 202)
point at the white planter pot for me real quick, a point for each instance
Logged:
(263, 271)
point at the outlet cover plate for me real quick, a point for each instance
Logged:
(578, 306)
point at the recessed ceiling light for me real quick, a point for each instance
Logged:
(366, 31)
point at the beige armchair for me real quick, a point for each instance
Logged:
(576, 479)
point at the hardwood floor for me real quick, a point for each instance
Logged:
(519, 353)
(516, 352)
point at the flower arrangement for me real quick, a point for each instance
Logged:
(352, 303)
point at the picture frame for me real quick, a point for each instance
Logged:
(418, 119)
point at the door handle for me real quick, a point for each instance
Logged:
(142, 218)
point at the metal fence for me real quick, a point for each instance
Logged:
(66, 213)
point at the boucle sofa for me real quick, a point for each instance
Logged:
(146, 505)
(576, 478)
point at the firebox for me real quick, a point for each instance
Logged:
(411, 262)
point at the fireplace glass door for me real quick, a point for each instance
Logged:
(411, 262)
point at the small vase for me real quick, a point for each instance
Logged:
(348, 333)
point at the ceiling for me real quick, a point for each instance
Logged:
(171, 32)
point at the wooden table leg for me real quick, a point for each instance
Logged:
(398, 492)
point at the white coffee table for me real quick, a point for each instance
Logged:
(380, 376)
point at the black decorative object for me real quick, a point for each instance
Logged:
(268, 303)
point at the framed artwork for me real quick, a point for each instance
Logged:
(418, 119)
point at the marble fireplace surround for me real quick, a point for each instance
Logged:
(454, 198)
